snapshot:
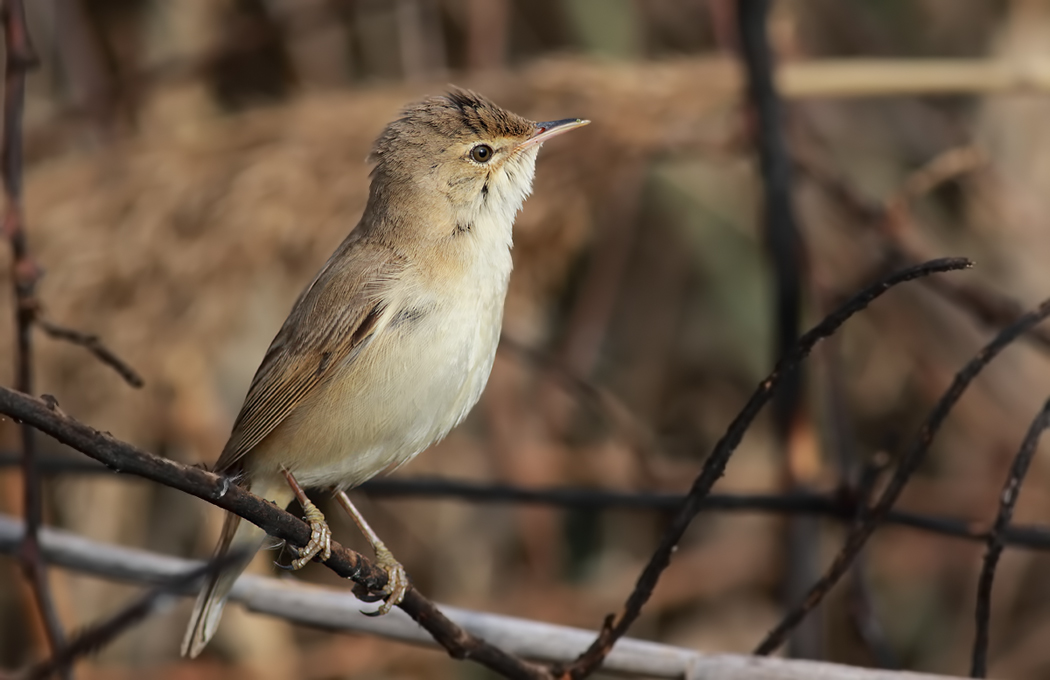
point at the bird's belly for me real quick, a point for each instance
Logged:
(416, 381)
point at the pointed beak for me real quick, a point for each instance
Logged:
(552, 128)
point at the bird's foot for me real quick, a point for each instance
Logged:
(396, 581)
(320, 544)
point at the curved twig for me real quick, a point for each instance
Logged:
(714, 467)
(909, 463)
(1007, 500)
(93, 344)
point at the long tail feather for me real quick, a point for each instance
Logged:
(237, 535)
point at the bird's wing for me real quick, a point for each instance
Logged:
(334, 320)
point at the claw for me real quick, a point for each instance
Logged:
(396, 581)
(320, 538)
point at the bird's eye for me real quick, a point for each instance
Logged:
(482, 153)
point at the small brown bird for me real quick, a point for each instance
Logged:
(391, 344)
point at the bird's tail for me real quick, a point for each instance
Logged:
(237, 535)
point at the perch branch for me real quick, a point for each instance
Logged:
(123, 457)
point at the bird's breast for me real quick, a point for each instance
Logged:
(419, 377)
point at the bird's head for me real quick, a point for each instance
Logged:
(459, 158)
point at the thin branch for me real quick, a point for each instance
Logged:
(839, 506)
(19, 58)
(714, 466)
(859, 602)
(338, 609)
(1007, 500)
(856, 480)
(100, 634)
(93, 344)
(123, 457)
(911, 460)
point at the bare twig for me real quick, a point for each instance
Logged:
(860, 605)
(219, 491)
(92, 344)
(123, 457)
(1007, 500)
(714, 467)
(856, 480)
(100, 634)
(19, 58)
(337, 609)
(911, 460)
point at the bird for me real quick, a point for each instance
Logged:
(391, 344)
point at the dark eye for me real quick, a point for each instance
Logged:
(482, 153)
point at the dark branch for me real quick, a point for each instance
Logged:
(714, 466)
(836, 506)
(93, 344)
(98, 635)
(911, 460)
(25, 274)
(123, 457)
(1007, 501)
(19, 58)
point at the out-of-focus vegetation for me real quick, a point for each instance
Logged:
(194, 162)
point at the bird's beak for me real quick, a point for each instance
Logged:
(552, 128)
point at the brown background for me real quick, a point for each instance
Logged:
(193, 163)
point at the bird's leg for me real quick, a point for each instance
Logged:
(320, 535)
(396, 579)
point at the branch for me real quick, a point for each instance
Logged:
(714, 466)
(839, 506)
(338, 609)
(217, 490)
(19, 58)
(25, 275)
(1007, 500)
(93, 344)
(100, 634)
(911, 460)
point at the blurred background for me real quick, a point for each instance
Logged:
(192, 163)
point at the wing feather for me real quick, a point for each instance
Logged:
(334, 320)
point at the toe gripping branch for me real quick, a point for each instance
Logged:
(320, 544)
(396, 579)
